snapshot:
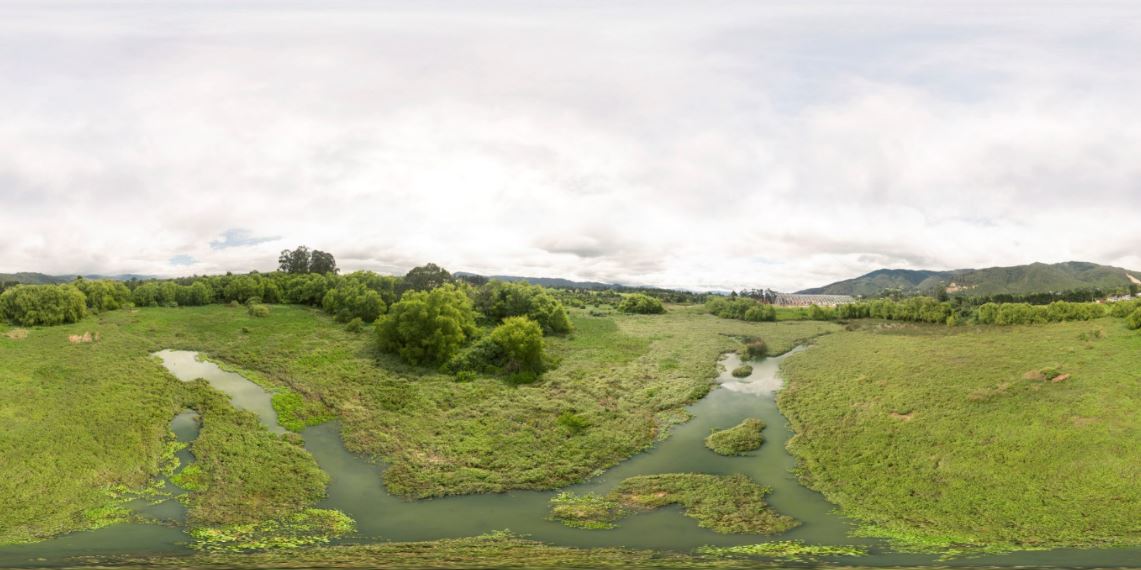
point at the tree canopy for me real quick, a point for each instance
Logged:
(427, 326)
(30, 305)
(426, 278)
(302, 260)
(500, 300)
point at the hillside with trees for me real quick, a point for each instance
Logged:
(1015, 280)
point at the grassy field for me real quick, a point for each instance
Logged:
(938, 436)
(86, 420)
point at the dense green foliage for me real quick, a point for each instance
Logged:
(1038, 462)
(426, 277)
(30, 305)
(428, 326)
(520, 340)
(352, 299)
(1133, 321)
(641, 304)
(745, 436)
(741, 308)
(499, 300)
(1026, 314)
(104, 295)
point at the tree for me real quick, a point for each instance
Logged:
(103, 295)
(427, 326)
(426, 278)
(500, 300)
(521, 341)
(387, 285)
(641, 304)
(351, 299)
(30, 305)
(321, 262)
(294, 261)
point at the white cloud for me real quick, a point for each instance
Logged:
(664, 143)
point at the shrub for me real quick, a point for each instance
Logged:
(104, 295)
(756, 348)
(573, 422)
(638, 303)
(353, 300)
(742, 371)
(29, 305)
(355, 326)
(1133, 321)
(745, 436)
(521, 341)
(427, 326)
(761, 312)
(258, 310)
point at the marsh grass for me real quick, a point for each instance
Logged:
(730, 504)
(84, 419)
(940, 439)
(743, 437)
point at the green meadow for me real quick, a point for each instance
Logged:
(974, 436)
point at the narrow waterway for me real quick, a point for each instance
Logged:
(355, 488)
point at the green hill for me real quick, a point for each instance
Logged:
(1018, 279)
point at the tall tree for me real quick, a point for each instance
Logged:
(321, 262)
(426, 278)
(294, 261)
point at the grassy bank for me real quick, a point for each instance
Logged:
(942, 437)
(497, 550)
(730, 504)
(86, 419)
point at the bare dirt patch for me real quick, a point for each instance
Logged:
(902, 417)
(17, 334)
(85, 337)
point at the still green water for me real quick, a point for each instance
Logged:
(356, 489)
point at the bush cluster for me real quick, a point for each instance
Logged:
(30, 305)
(745, 436)
(499, 300)
(641, 304)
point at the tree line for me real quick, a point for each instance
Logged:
(932, 310)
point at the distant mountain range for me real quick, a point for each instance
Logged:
(42, 278)
(1018, 279)
(547, 281)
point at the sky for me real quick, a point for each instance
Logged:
(704, 145)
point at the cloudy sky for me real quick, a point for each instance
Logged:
(691, 144)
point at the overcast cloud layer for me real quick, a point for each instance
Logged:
(699, 144)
